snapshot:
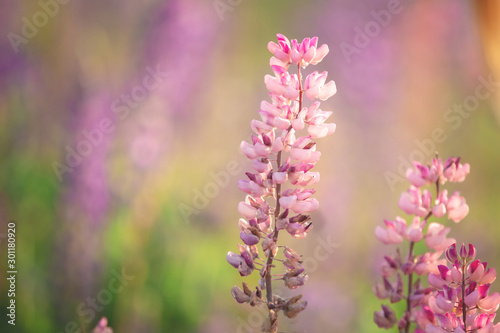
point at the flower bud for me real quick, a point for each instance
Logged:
(384, 318)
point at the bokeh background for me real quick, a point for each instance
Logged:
(133, 202)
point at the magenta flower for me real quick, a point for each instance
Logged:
(282, 156)
(461, 302)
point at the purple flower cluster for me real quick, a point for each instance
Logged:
(282, 157)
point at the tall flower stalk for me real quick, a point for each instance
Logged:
(279, 192)
(398, 270)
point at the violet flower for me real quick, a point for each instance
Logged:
(282, 156)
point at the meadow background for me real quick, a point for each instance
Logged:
(123, 205)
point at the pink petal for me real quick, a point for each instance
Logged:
(490, 303)
(312, 92)
(298, 124)
(260, 127)
(436, 281)
(288, 201)
(273, 85)
(244, 186)
(321, 52)
(277, 145)
(478, 273)
(248, 211)
(282, 56)
(439, 210)
(444, 304)
(272, 47)
(291, 93)
(305, 206)
(248, 150)
(472, 299)
(310, 54)
(488, 277)
(280, 177)
(272, 109)
(281, 123)
(317, 131)
(327, 91)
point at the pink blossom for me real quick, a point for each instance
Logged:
(414, 231)
(489, 276)
(422, 175)
(490, 303)
(414, 202)
(454, 171)
(315, 86)
(436, 237)
(303, 54)
(394, 232)
(457, 207)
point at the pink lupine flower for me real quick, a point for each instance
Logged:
(426, 316)
(315, 86)
(307, 52)
(422, 175)
(428, 263)
(454, 171)
(490, 303)
(439, 209)
(283, 153)
(489, 276)
(414, 231)
(317, 128)
(304, 150)
(436, 237)
(457, 207)
(394, 232)
(414, 202)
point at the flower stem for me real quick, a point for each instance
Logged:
(410, 286)
(464, 311)
(269, 287)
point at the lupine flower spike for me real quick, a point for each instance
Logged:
(398, 272)
(282, 156)
(461, 302)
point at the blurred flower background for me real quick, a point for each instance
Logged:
(120, 130)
